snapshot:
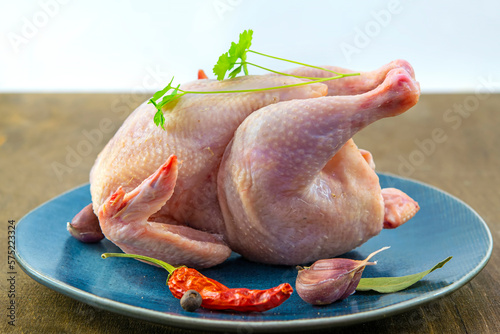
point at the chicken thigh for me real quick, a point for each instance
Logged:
(293, 186)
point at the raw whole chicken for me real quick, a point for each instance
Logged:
(273, 175)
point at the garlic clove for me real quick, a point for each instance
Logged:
(85, 226)
(330, 280)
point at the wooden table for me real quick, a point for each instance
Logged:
(38, 131)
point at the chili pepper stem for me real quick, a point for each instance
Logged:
(164, 265)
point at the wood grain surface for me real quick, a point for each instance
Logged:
(457, 137)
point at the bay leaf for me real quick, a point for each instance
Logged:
(394, 284)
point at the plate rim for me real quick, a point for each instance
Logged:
(258, 326)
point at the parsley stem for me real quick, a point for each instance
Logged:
(268, 88)
(277, 72)
(294, 62)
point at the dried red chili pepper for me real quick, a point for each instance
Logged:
(216, 296)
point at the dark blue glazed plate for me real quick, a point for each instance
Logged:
(445, 226)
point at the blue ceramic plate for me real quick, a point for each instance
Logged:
(445, 226)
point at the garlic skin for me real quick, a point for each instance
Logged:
(329, 280)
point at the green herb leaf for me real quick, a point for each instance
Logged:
(167, 98)
(239, 51)
(235, 72)
(223, 65)
(162, 92)
(159, 119)
(228, 60)
(393, 284)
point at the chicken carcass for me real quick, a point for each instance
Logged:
(272, 175)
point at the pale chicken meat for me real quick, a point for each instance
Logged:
(273, 175)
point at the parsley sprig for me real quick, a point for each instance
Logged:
(230, 64)
(227, 61)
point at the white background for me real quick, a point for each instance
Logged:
(133, 46)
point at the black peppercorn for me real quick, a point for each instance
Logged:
(191, 300)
